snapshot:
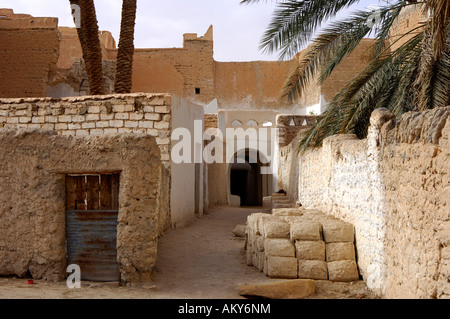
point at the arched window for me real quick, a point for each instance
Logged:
(252, 123)
(236, 123)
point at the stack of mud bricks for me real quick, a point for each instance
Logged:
(297, 243)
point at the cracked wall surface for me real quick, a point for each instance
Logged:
(394, 187)
(34, 164)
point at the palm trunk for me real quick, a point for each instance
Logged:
(90, 45)
(125, 52)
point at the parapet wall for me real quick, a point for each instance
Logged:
(94, 115)
(393, 187)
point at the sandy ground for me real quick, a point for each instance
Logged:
(202, 260)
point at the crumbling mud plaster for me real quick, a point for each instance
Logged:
(415, 168)
(34, 164)
(138, 113)
(393, 187)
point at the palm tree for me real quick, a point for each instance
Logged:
(126, 47)
(90, 45)
(414, 76)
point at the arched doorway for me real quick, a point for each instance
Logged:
(246, 180)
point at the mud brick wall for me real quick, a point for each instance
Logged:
(34, 164)
(29, 50)
(393, 187)
(211, 121)
(179, 71)
(290, 125)
(410, 17)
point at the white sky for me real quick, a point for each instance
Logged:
(161, 23)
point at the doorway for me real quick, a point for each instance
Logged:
(92, 207)
(246, 180)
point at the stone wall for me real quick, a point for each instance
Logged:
(94, 115)
(291, 130)
(393, 187)
(29, 50)
(138, 113)
(34, 164)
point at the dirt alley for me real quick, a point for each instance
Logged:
(202, 260)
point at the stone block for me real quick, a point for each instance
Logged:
(121, 116)
(146, 124)
(259, 241)
(282, 267)
(312, 269)
(279, 247)
(261, 218)
(266, 268)
(116, 123)
(249, 256)
(344, 270)
(239, 231)
(305, 230)
(286, 289)
(162, 125)
(335, 231)
(259, 261)
(252, 223)
(287, 212)
(136, 116)
(276, 229)
(152, 116)
(92, 117)
(310, 250)
(267, 202)
(340, 251)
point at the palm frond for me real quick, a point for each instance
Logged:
(382, 34)
(381, 84)
(330, 48)
(294, 23)
(304, 71)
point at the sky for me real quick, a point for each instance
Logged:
(238, 28)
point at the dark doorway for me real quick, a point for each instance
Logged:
(92, 206)
(246, 182)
